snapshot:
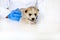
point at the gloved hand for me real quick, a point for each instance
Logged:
(15, 15)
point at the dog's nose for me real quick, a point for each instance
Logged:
(33, 19)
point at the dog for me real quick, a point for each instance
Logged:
(30, 15)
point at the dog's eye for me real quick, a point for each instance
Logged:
(35, 14)
(30, 14)
(25, 11)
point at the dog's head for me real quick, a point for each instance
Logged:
(30, 14)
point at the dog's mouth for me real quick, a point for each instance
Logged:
(32, 21)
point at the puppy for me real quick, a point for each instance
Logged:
(29, 15)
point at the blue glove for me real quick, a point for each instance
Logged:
(15, 15)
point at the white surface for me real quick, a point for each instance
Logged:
(47, 27)
(29, 36)
(4, 3)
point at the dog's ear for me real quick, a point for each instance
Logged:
(37, 9)
(22, 9)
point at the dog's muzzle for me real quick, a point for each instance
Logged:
(33, 19)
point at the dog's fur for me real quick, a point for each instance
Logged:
(30, 14)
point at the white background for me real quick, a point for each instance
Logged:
(47, 28)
